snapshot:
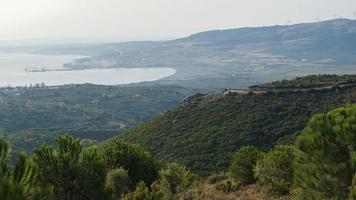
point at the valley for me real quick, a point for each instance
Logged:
(33, 116)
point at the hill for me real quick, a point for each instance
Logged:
(244, 56)
(32, 116)
(203, 132)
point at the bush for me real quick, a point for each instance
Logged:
(243, 163)
(69, 170)
(275, 171)
(174, 181)
(216, 178)
(13, 179)
(118, 182)
(140, 165)
(229, 186)
(353, 189)
(173, 184)
(325, 158)
(142, 192)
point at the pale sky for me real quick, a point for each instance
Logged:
(154, 19)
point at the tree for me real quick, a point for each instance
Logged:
(13, 179)
(142, 192)
(275, 171)
(243, 163)
(174, 181)
(352, 195)
(70, 172)
(140, 165)
(325, 156)
(118, 182)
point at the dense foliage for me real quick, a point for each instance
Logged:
(203, 133)
(243, 164)
(275, 170)
(139, 164)
(30, 117)
(173, 184)
(326, 155)
(69, 171)
(12, 178)
(314, 81)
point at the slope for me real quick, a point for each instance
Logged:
(203, 132)
(245, 56)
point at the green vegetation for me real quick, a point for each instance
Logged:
(139, 164)
(243, 163)
(118, 182)
(314, 81)
(228, 187)
(319, 164)
(71, 172)
(326, 155)
(172, 185)
(12, 177)
(202, 133)
(275, 171)
(30, 117)
(353, 189)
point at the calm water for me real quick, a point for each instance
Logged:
(12, 72)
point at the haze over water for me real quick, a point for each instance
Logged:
(12, 72)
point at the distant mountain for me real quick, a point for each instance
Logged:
(88, 49)
(205, 130)
(245, 56)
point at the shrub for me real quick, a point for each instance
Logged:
(228, 186)
(275, 171)
(173, 184)
(352, 195)
(12, 178)
(118, 182)
(325, 156)
(216, 178)
(142, 192)
(243, 163)
(174, 181)
(69, 170)
(140, 165)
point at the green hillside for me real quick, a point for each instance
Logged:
(32, 116)
(203, 132)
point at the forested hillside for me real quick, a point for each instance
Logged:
(202, 132)
(32, 116)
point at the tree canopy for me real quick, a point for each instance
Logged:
(326, 155)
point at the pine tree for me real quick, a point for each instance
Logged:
(326, 155)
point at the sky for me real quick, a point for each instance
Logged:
(122, 20)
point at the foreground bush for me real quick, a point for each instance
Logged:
(275, 171)
(118, 182)
(228, 186)
(326, 159)
(13, 179)
(140, 165)
(69, 171)
(216, 178)
(243, 163)
(173, 184)
(352, 195)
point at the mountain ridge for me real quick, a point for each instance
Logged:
(203, 132)
(244, 56)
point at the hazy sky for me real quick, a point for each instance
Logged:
(154, 19)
